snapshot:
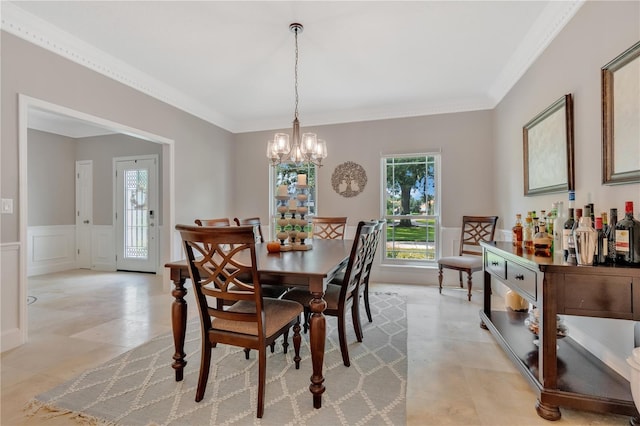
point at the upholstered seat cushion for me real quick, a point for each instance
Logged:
(278, 313)
(303, 296)
(470, 262)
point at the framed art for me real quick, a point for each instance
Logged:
(621, 118)
(548, 149)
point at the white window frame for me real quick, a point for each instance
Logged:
(435, 214)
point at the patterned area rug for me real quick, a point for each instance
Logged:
(139, 387)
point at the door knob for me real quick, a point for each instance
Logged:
(86, 221)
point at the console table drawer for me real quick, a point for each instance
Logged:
(496, 265)
(596, 295)
(523, 279)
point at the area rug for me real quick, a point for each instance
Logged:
(139, 387)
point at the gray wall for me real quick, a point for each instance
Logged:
(52, 159)
(200, 147)
(464, 140)
(599, 32)
(102, 150)
(52, 163)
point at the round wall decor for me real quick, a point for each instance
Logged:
(349, 179)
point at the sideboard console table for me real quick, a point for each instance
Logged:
(560, 370)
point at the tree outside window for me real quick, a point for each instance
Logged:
(411, 206)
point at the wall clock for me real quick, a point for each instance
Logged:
(349, 179)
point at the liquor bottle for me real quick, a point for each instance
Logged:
(567, 228)
(558, 225)
(628, 238)
(572, 199)
(551, 217)
(517, 231)
(611, 236)
(585, 239)
(571, 241)
(542, 220)
(542, 241)
(602, 246)
(593, 213)
(527, 234)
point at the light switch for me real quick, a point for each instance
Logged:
(7, 206)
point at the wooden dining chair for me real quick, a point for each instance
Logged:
(223, 221)
(469, 259)
(329, 228)
(251, 321)
(343, 298)
(268, 289)
(366, 273)
(253, 221)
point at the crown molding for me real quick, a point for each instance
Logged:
(41, 33)
(551, 21)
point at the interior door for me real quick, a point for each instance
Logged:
(136, 212)
(84, 212)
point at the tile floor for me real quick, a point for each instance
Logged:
(458, 375)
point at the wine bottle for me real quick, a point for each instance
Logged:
(601, 246)
(566, 232)
(611, 235)
(628, 238)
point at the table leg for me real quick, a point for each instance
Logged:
(317, 337)
(179, 324)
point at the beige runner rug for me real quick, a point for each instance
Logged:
(139, 387)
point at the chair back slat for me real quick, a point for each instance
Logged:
(474, 230)
(365, 234)
(222, 266)
(371, 250)
(329, 228)
(222, 221)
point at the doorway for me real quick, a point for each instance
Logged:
(28, 104)
(136, 212)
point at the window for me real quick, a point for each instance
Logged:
(287, 174)
(411, 206)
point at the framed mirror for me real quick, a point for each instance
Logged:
(548, 149)
(621, 118)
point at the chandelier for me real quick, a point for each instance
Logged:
(298, 150)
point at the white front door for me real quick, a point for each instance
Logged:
(84, 212)
(136, 213)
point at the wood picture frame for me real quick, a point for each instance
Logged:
(548, 149)
(621, 118)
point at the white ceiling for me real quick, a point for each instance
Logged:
(231, 63)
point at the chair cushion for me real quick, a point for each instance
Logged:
(302, 296)
(466, 262)
(278, 313)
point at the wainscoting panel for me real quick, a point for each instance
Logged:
(50, 249)
(103, 248)
(13, 320)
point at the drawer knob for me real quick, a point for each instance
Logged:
(494, 263)
(520, 277)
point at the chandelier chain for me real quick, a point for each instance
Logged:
(295, 73)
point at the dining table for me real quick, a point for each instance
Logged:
(312, 269)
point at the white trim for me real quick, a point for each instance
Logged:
(24, 104)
